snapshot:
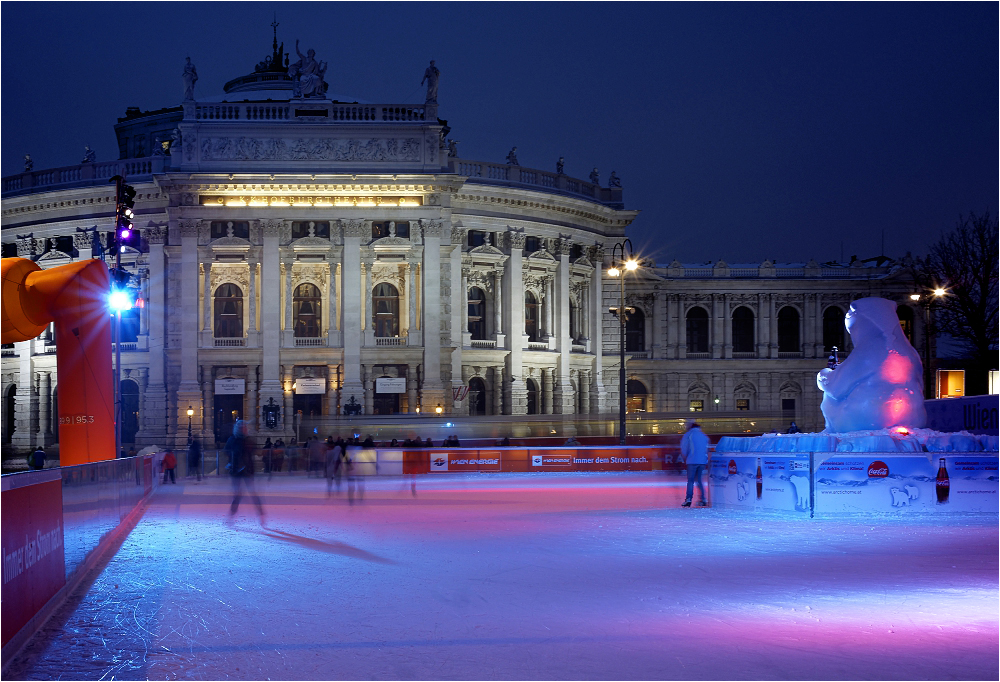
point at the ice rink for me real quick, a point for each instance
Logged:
(523, 576)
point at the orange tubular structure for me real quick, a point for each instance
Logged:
(74, 297)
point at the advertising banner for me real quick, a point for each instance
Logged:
(778, 482)
(33, 556)
(390, 385)
(230, 386)
(929, 482)
(310, 386)
(464, 461)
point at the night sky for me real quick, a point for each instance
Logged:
(741, 131)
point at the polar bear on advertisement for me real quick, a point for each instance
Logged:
(801, 484)
(880, 384)
(900, 498)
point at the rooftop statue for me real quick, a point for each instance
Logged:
(452, 148)
(307, 75)
(614, 180)
(190, 77)
(431, 75)
(512, 157)
(594, 177)
(89, 155)
(29, 165)
(560, 165)
(880, 384)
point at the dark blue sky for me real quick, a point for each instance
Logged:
(742, 131)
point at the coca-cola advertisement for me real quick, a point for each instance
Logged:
(905, 484)
(774, 482)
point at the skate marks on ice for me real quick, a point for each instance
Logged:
(341, 548)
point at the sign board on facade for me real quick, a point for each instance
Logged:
(310, 386)
(230, 386)
(390, 385)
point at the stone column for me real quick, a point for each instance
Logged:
(547, 382)
(772, 328)
(44, 407)
(83, 242)
(368, 317)
(367, 373)
(270, 318)
(584, 389)
(253, 411)
(206, 269)
(289, 333)
(332, 312)
(459, 324)
(762, 326)
(351, 318)
(498, 306)
(716, 325)
(433, 388)
(672, 326)
(208, 419)
(563, 394)
(411, 311)
(463, 301)
(289, 402)
(515, 394)
(598, 394)
(153, 427)
(26, 400)
(727, 327)
(497, 390)
(411, 389)
(189, 390)
(252, 312)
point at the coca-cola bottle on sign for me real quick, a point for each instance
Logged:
(760, 480)
(943, 486)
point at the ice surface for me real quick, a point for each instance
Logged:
(880, 384)
(524, 576)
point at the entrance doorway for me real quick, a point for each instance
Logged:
(385, 403)
(228, 409)
(477, 397)
(130, 410)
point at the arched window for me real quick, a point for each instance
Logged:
(905, 315)
(532, 396)
(130, 410)
(477, 313)
(788, 330)
(697, 330)
(477, 397)
(385, 310)
(635, 331)
(307, 309)
(743, 341)
(636, 396)
(228, 312)
(531, 316)
(833, 328)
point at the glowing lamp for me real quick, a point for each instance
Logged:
(125, 233)
(914, 297)
(439, 409)
(939, 292)
(190, 411)
(120, 300)
(613, 271)
(631, 264)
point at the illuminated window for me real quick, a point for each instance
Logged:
(301, 228)
(307, 308)
(221, 228)
(696, 405)
(228, 312)
(905, 315)
(385, 310)
(742, 404)
(636, 396)
(390, 228)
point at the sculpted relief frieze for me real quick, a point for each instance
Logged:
(309, 149)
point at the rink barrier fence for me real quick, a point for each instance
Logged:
(57, 524)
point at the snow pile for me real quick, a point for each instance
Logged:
(897, 439)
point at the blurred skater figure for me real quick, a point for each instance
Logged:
(278, 455)
(268, 458)
(694, 450)
(428, 443)
(168, 464)
(36, 460)
(317, 454)
(572, 441)
(333, 464)
(240, 448)
(793, 428)
(452, 441)
(194, 458)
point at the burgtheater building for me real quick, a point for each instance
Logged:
(304, 254)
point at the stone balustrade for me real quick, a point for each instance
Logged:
(501, 173)
(82, 175)
(312, 110)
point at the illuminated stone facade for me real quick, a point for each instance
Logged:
(299, 250)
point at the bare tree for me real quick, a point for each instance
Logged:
(964, 262)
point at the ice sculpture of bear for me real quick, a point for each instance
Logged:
(880, 384)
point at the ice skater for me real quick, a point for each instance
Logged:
(694, 450)
(240, 448)
(168, 464)
(333, 466)
(194, 458)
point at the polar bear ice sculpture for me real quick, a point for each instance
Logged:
(879, 385)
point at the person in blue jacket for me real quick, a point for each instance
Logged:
(694, 450)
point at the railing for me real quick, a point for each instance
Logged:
(135, 170)
(789, 272)
(483, 343)
(698, 356)
(127, 346)
(8, 353)
(230, 343)
(531, 177)
(638, 355)
(261, 112)
(390, 341)
(744, 272)
(698, 272)
(744, 355)
(789, 354)
(577, 348)
(309, 342)
(355, 113)
(537, 345)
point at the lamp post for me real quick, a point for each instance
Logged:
(190, 413)
(927, 300)
(624, 261)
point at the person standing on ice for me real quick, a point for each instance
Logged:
(240, 448)
(694, 450)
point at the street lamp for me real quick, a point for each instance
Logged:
(190, 412)
(624, 261)
(439, 409)
(927, 300)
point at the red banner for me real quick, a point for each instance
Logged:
(33, 555)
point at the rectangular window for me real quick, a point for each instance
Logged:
(477, 238)
(391, 228)
(221, 228)
(742, 404)
(696, 406)
(532, 244)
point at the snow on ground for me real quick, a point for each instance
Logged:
(524, 576)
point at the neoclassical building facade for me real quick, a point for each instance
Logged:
(306, 255)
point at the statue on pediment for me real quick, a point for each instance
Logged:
(190, 77)
(614, 180)
(307, 75)
(89, 155)
(431, 74)
(29, 165)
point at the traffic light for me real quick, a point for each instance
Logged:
(122, 296)
(125, 233)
